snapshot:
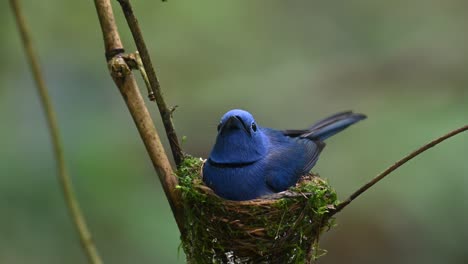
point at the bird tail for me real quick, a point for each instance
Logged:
(331, 125)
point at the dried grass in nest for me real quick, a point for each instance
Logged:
(282, 228)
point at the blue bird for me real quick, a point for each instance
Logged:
(248, 161)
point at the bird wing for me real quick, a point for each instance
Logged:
(289, 158)
(313, 150)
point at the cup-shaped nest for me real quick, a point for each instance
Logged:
(282, 228)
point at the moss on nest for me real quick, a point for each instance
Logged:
(283, 228)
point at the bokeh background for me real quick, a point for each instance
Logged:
(403, 63)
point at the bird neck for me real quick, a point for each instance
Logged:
(239, 148)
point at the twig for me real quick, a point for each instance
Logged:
(125, 81)
(144, 75)
(395, 166)
(166, 114)
(63, 177)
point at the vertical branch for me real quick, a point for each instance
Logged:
(63, 177)
(125, 81)
(166, 113)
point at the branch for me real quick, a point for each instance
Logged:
(395, 166)
(125, 81)
(166, 113)
(63, 177)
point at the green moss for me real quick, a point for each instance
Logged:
(281, 230)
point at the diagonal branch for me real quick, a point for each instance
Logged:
(395, 166)
(166, 113)
(125, 81)
(63, 177)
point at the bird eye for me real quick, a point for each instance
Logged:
(219, 126)
(254, 127)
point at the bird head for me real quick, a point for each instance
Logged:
(239, 139)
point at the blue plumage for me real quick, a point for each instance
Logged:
(249, 161)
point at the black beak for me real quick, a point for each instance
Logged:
(234, 122)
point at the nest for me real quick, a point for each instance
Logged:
(282, 228)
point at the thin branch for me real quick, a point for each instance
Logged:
(133, 61)
(166, 113)
(144, 75)
(125, 81)
(63, 177)
(395, 166)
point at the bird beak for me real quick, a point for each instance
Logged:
(234, 122)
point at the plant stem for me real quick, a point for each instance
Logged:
(166, 113)
(125, 81)
(395, 166)
(63, 177)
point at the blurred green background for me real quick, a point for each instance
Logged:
(403, 63)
